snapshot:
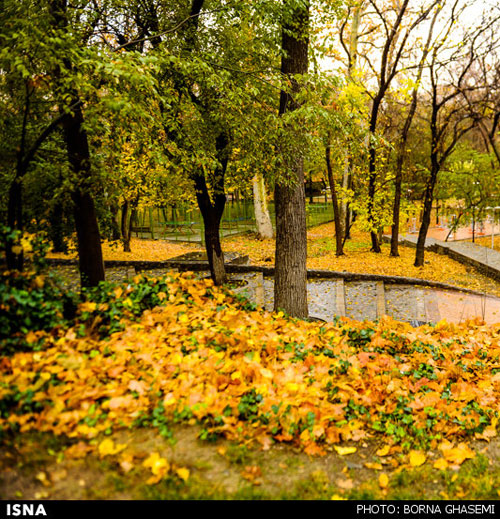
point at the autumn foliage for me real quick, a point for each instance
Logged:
(207, 357)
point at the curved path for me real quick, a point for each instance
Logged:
(371, 300)
(333, 294)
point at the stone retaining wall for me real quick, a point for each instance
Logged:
(269, 272)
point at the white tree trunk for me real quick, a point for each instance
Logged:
(262, 218)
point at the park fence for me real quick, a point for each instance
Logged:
(184, 223)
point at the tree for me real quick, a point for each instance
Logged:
(53, 24)
(472, 180)
(262, 217)
(398, 24)
(290, 279)
(403, 140)
(448, 121)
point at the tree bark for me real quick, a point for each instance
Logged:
(290, 282)
(426, 216)
(75, 136)
(56, 218)
(14, 221)
(87, 230)
(212, 214)
(339, 232)
(125, 226)
(262, 217)
(372, 176)
(115, 228)
(212, 211)
(396, 210)
(347, 177)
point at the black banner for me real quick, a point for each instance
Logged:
(347, 509)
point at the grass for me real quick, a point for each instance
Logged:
(285, 474)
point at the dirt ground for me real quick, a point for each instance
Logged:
(35, 467)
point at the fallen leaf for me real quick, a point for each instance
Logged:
(441, 464)
(343, 451)
(383, 451)
(383, 480)
(345, 484)
(183, 473)
(417, 458)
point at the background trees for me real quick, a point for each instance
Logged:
(110, 106)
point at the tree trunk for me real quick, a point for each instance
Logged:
(347, 177)
(212, 214)
(212, 211)
(134, 219)
(213, 247)
(89, 241)
(339, 233)
(125, 227)
(14, 221)
(426, 216)
(75, 136)
(115, 228)
(372, 176)
(396, 211)
(87, 230)
(290, 281)
(262, 217)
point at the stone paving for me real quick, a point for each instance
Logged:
(361, 300)
(367, 300)
(485, 259)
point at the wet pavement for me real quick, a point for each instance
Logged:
(368, 300)
(360, 300)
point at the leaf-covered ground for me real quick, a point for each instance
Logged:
(416, 397)
(141, 250)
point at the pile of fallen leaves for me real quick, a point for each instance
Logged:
(207, 358)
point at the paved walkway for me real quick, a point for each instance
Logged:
(485, 259)
(370, 300)
(462, 233)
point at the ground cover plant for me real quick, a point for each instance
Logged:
(203, 358)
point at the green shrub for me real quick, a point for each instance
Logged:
(30, 300)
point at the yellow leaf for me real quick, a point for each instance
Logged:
(159, 466)
(383, 480)
(383, 451)
(107, 447)
(417, 458)
(458, 454)
(345, 450)
(183, 473)
(266, 373)
(30, 337)
(441, 464)
(88, 306)
(374, 466)
(345, 484)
